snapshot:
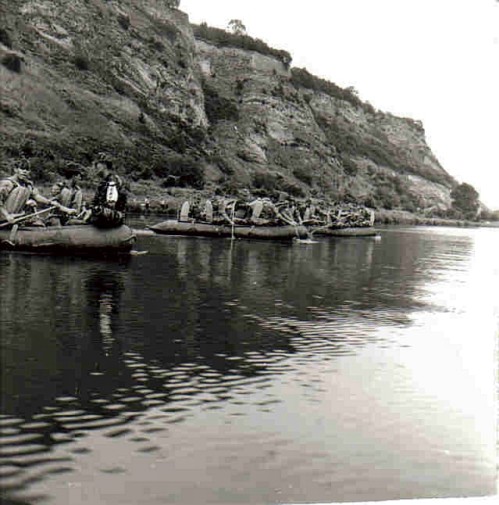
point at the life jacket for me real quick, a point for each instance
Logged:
(65, 197)
(184, 211)
(257, 208)
(77, 200)
(268, 211)
(208, 211)
(17, 199)
(111, 194)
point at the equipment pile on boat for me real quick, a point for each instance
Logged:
(265, 218)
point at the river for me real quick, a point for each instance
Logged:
(219, 371)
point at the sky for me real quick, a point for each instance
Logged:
(436, 61)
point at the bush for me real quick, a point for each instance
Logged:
(124, 21)
(222, 164)
(156, 44)
(217, 107)
(302, 77)
(172, 4)
(181, 171)
(292, 189)
(118, 86)
(465, 200)
(5, 38)
(349, 167)
(13, 62)
(81, 62)
(222, 38)
(348, 142)
(304, 175)
(266, 181)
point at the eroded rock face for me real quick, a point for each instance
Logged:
(311, 141)
(100, 73)
(130, 77)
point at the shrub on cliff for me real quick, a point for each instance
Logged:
(304, 175)
(265, 181)
(217, 107)
(465, 200)
(124, 21)
(302, 77)
(81, 62)
(181, 171)
(223, 38)
(13, 62)
(5, 38)
(391, 192)
(172, 4)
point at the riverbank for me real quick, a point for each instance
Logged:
(148, 198)
(385, 216)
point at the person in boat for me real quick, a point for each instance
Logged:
(223, 210)
(109, 203)
(263, 212)
(307, 212)
(19, 197)
(73, 194)
(207, 212)
(69, 195)
(286, 212)
(61, 214)
(326, 213)
(195, 209)
(242, 210)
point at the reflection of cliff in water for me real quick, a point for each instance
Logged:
(90, 344)
(199, 301)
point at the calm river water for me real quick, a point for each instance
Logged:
(212, 371)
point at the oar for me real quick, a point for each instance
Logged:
(232, 237)
(319, 228)
(293, 223)
(28, 216)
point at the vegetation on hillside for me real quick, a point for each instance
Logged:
(169, 149)
(301, 77)
(240, 40)
(465, 201)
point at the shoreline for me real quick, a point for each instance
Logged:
(167, 203)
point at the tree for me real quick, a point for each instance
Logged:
(465, 200)
(173, 4)
(237, 27)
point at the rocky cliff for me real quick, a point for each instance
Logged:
(178, 107)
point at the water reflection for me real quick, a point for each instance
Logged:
(136, 350)
(238, 308)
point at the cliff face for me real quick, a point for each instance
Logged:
(98, 75)
(299, 139)
(130, 77)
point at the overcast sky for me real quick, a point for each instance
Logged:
(432, 60)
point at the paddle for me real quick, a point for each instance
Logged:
(232, 221)
(292, 222)
(28, 216)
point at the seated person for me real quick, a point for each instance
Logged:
(18, 196)
(61, 215)
(109, 203)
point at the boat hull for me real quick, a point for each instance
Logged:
(68, 239)
(173, 227)
(366, 231)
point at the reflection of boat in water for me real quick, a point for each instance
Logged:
(279, 232)
(68, 239)
(357, 231)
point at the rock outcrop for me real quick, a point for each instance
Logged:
(131, 78)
